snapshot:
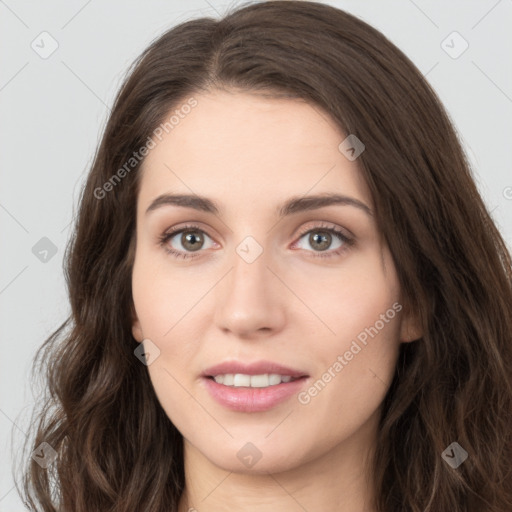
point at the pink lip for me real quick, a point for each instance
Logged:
(246, 399)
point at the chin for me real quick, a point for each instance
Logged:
(257, 457)
(262, 467)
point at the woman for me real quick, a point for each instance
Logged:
(287, 293)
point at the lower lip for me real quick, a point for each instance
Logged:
(245, 399)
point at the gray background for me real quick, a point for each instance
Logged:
(53, 109)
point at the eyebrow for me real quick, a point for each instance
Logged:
(291, 206)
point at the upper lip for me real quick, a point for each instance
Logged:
(256, 368)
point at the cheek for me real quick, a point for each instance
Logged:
(161, 312)
(351, 380)
(356, 360)
(351, 298)
(157, 297)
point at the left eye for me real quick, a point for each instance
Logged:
(321, 238)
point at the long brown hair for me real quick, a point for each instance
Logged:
(116, 450)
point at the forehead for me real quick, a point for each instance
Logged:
(241, 146)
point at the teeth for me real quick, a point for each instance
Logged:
(274, 379)
(253, 381)
(242, 380)
(260, 381)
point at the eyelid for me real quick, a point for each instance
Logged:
(324, 225)
(301, 232)
(187, 227)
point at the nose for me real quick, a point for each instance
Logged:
(250, 300)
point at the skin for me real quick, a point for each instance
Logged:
(249, 154)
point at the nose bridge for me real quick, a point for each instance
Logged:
(247, 301)
(249, 262)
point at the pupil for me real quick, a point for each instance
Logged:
(324, 240)
(191, 241)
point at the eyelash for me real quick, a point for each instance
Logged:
(347, 241)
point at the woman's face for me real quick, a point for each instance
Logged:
(261, 281)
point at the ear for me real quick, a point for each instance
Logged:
(410, 328)
(136, 327)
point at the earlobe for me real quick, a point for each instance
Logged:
(137, 332)
(410, 329)
(136, 328)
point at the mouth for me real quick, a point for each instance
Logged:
(252, 387)
(265, 380)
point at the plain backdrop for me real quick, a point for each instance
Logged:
(53, 108)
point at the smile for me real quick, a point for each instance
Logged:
(253, 381)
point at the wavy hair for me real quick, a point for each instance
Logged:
(116, 450)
